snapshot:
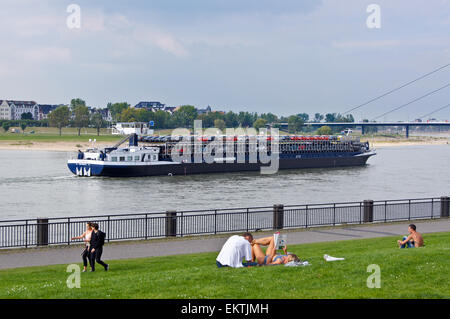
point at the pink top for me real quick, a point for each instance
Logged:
(87, 237)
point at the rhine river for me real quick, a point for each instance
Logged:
(39, 184)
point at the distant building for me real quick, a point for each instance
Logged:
(13, 110)
(150, 106)
(170, 109)
(204, 111)
(45, 110)
(106, 114)
(5, 110)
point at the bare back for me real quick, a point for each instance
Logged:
(418, 239)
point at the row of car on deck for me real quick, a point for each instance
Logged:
(240, 138)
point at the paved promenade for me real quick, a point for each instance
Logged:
(163, 247)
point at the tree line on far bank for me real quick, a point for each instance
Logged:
(78, 115)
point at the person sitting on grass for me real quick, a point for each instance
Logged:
(235, 249)
(270, 257)
(414, 239)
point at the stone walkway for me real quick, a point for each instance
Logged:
(14, 258)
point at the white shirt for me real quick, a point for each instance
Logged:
(234, 250)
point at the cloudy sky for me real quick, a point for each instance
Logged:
(283, 56)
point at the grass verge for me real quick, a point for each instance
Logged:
(405, 273)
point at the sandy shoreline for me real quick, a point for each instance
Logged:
(48, 146)
(74, 146)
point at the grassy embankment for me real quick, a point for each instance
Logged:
(405, 273)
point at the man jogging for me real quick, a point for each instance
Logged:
(96, 244)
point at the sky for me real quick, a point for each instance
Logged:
(284, 57)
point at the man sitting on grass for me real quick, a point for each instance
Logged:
(414, 239)
(235, 249)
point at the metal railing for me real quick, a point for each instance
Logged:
(43, 231)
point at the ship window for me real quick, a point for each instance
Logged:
(129, 158)
(122, 158)
(154, 157)
(137, 158)
(114, 159)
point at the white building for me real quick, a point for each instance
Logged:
(5, 110)
(13, 110)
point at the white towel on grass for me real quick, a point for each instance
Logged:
(330, 258)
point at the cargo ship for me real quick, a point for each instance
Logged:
(211, 154)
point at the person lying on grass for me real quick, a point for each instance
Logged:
(270, 257)
(414, 239)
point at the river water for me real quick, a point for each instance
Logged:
(39, 184)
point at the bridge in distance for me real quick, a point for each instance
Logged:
(364, 125)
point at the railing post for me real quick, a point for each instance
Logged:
(409, 209)
(368, 210)
(334, 214)
(146, 226)
(278, 216)
(432, 207)
(42, 232)
(360, 213)
(247, 220)
(215, 221)
(108, 235)
(68, 231)
(26, 233)
(171, 224)
(306, 217)
(445, 201)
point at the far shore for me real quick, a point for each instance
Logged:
(71, 146)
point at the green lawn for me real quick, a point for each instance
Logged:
(51, 135)
(405, 273)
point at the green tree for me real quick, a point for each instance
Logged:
(294, 123)
(161, 119)
(23, 126)
(81, 118)
(6, 126)
(324, 130)
(304, 117)
(318, 117)
(184, 116)
(231, 119)
(117, 108)
(97, 121)
(220, 124)
(246, 119)
(59, 117)
(259, 123)
(269, 117)
(330, 117)
(74, 103)
(26, 116)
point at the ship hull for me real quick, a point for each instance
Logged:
(98, 168)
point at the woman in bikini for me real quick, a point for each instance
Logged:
(270, 257)
(86, 236)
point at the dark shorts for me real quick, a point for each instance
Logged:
(219, 265)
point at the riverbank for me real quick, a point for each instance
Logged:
(382, 142)
(74, 143)
(60, 146)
